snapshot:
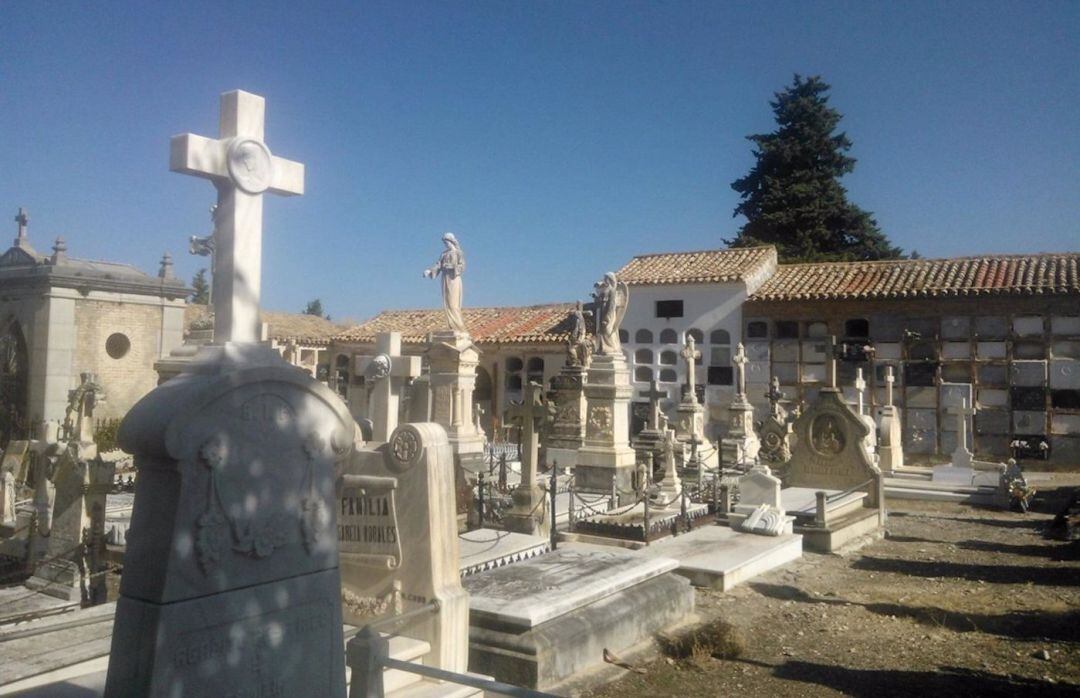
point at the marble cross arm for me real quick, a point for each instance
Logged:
(207, 157)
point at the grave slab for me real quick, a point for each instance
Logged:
(488, 548)
(719, 557)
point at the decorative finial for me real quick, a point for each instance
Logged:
(59, 250)
(166, 270)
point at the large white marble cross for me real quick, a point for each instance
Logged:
(691, 355)
(387, 373)
(530, 411)
(654, 394)
(889, 380)
(860, 388)
(242, 168)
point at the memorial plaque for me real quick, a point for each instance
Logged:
(367, 521)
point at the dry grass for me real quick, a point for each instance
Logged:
(718, 639)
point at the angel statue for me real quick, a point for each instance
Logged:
(451, 265)
(579, 345)
(611, 296)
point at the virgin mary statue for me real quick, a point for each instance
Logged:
(451, 265)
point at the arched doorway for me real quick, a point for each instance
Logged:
(14, 372)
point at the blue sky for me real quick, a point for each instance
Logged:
(556, 139)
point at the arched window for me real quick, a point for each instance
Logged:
(719, 337)
(536, 364)
(14, 379)
(624, 336)
(643, 374)
(643, 337)
(643, 356)
(513, 382)
(758, 329)
(669, 336)
(514, 364)
(668, 375)
(817, 329)
(698, 335)
(669, 358)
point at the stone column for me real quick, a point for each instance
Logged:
(452, 360)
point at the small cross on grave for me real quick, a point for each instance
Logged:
(740, 362)
(889, 380)
(242, 168)
(654, 394)
(691, 355)
(529, 412)
(962, 412)
(386, 374)
(774, 396)
(860, 387)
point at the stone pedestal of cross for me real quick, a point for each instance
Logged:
(962, 457)
(386, 373)
(891, 446)
(529, 513)
(690, 355)
(242, 169)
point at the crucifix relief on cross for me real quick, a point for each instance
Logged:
(242, 168)
(740, 362)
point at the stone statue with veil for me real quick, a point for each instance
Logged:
(451, 266)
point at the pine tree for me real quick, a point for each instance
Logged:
(200, 288)
(792, 198)
(314, 308)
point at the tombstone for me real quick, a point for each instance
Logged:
(670, 490)
(74, 540)
(530, 513)
(386, 374)
(760, 509)
(397, 534)
(567, 433)
(741, 445)
(231, 579)
(834, 488)
(606, 460)
(774, 432)
(891, 441)
(860, 409)
(649, 442)
(690, 414)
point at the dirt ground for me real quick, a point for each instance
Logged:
(956, 600)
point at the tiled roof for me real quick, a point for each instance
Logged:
(925, 278)
(706, 266)
(305, 329)
(533, 323)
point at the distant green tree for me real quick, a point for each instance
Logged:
(314, 308)
(792, 198)
(200, 288)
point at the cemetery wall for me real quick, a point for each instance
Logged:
(1020, 353)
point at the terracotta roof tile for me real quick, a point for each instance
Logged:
(705, 266)
(925, 278)
(534, 323)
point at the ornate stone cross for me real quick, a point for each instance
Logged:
(386, 374)
(242, 168)
(740, 362)
(830, 360)
(774, 396)
(962, 412)
(529, 411)
(654, 395)
(691, 355)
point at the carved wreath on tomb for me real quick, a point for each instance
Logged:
(600, 420)
(826, 436)
(405, 446)
(567, 414)
(217, 533)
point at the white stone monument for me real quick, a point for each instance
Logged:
(741, 445)
(530, 511)
(891, 443)
(231, 579)
(386, 375)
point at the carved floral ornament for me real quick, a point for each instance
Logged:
(404, 449)
(600, 419)
(217, 533)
